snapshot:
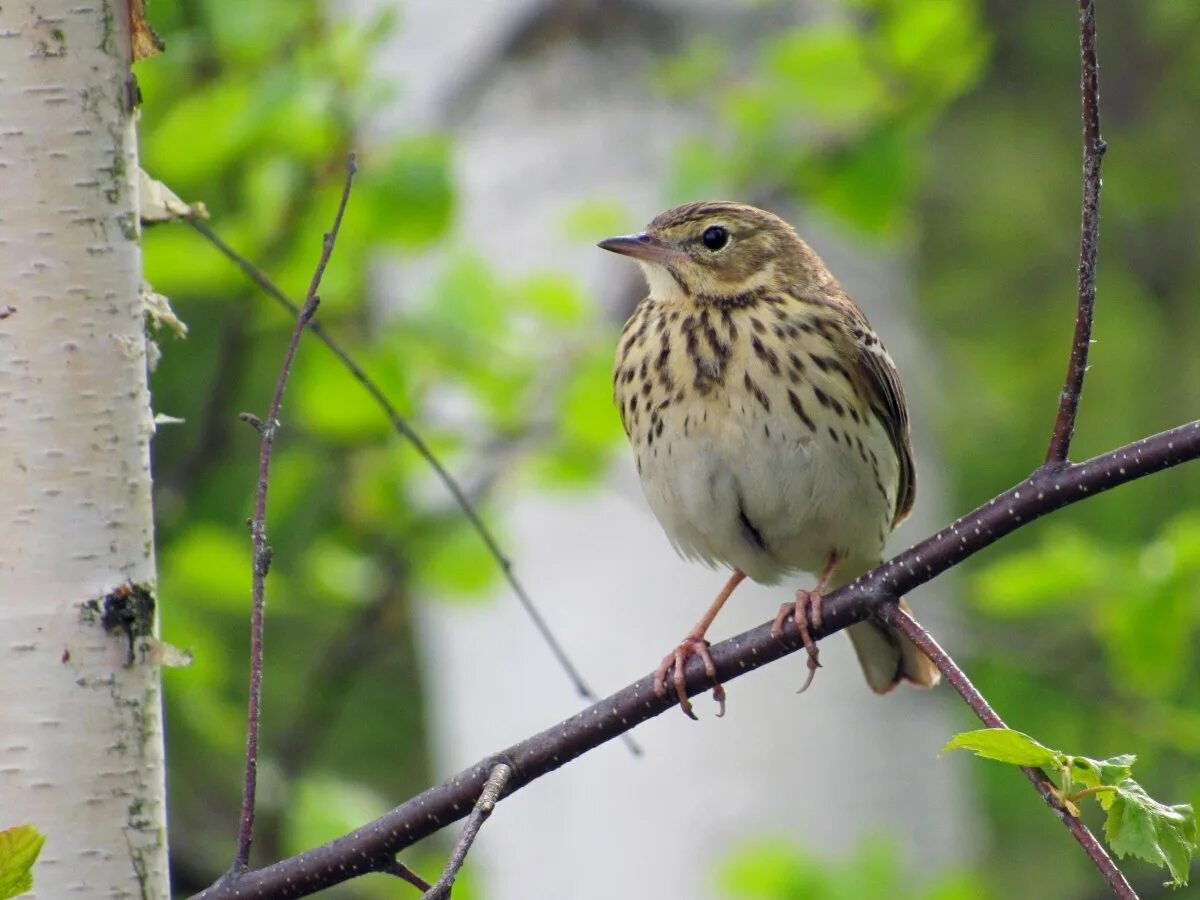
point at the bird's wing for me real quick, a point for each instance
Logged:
(878, 375)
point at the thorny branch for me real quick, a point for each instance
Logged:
(258, 532)
(406, 431)
(373, 846)
(1089, 238)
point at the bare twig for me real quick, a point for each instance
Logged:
(258, 533)
(405, 430)
(374, 844)
(1093, 152)
(492, 788)
(959, 681)
(404, 873)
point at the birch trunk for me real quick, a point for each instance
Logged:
(81, 753)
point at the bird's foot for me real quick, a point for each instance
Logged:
(692, 645)
(805, 608)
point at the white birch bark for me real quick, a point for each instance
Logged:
(81, 753)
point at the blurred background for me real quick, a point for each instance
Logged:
(929, 150)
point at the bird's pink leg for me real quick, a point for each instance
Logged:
(694, 644)
(806, 606)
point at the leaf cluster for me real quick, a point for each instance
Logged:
(1136, 824)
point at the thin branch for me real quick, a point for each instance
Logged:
(405, 430)
(1089, 239)
(404, 873)
(492, 788)
(1045, 491)
(959, 681)
(258, 533)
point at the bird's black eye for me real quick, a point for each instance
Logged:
(715, 237)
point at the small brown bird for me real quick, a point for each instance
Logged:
(767, 419)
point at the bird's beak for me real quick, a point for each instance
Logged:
(640, 246)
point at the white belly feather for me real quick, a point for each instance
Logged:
(761, 492)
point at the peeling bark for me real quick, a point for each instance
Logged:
(81, 752)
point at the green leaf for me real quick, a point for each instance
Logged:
(1138, 825)
(407, 197)
(1005, 745)
(700, 65)
(940, 45)
(323, 806)
(554, 296)
(1066, 570)
(330, 402)
(1102, 773)
(596, 219)
(770, 869)
(455, 563)
(869, 184)
(211, 562)
(19, 849)
(827, 70)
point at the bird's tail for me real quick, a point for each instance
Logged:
(888, 657)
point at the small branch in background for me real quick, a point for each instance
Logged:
(258, 532)
(1089, 240)
(404, 873)
(375, 843)
(492, 788)
(406, 431)
(959, 681)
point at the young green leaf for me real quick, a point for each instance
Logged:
(1138, 825)
(19, 849)
(1093, 773)
(1005, 745)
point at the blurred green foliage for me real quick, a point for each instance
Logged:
(774, 869)
(835, 113)
(252, 110)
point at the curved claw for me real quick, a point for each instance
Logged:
(814, 663)
(806, 605)
(675, 662)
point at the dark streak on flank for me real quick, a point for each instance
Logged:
(828, 402)
(758, 393)
(752, 535)
(798, 408)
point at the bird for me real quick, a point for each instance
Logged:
(767, 422)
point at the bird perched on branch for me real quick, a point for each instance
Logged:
(768, 422)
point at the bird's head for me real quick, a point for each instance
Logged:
(716, 250)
